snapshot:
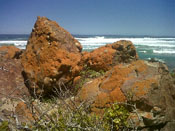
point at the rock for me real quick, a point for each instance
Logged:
(23, 113)
(11, 80)
(51, 58)
(147, 85)
(105, 57)
(76, 80)
(9, 52)
(12, 87)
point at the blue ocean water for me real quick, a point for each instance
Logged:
(159, 48)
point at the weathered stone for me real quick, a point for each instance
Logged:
(9, 52)
(148, 85)
(23, 113)
(11, 80)
(51, 58)
(105, 57)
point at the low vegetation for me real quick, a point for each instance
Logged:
(81, 119)
(62, 113)
(66, 115)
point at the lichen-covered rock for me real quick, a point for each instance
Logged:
(23, 113)
(105, 57)
(146, 84)
(9, 52)
(51, 58)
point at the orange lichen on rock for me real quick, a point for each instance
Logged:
(115, 78)
(136, 78)
(99, 59)
(140, 88)
(105, 99)
(24, 114)
(106, 57)
(139, 66)
(51, 58)
(117, 95)
(8, 52)
(102, 100)
(89, 90)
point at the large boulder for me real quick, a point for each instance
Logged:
(105, 57)
(147, 85)
(51, 58)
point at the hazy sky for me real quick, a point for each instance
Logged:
(125, 17)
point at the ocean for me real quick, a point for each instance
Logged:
(159, 48)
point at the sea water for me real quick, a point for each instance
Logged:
(159, 48)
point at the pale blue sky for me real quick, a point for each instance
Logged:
(121, 17)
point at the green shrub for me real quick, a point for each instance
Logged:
(4, 126)
(66, 119)
(173, 74)
(115, 117)
(89, 73)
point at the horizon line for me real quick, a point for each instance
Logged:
(130, 35)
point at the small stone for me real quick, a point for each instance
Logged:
(47, 80)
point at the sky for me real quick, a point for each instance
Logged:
(117, 17)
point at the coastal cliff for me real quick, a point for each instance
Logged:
(53, 64)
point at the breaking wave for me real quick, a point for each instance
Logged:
(164, 51)
(149, 42)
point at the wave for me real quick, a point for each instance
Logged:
(96, 41)
(152, 42)
(144, 51)
(19, 44)
(164, 51)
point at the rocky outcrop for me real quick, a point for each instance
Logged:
(51, 58)
(105, 57)
(146, 84)
(12, 87)
(9, 52)
(11, 80)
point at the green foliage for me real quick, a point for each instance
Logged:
(89, 73)
(116, 117)
(4, 126)
(173, 74)
(64, 120)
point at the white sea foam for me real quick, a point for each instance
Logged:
(144, 51)
(150, 42)
(164, 51)
(94, 42)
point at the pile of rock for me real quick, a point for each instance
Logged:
(53, 59)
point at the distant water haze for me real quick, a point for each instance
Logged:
(161, 49)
